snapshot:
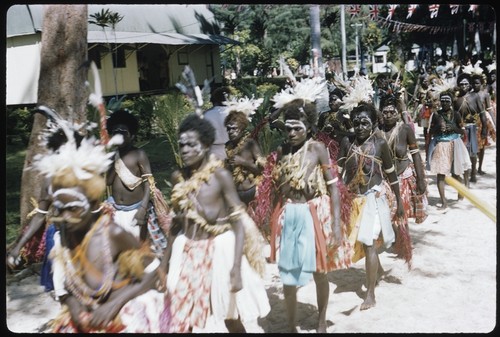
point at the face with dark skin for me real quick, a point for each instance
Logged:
(464, 86)
(335, 102)
(363, 126)
(72, 210)
(191, 149)
(235, 130)
(476, 84)
(123, 130)
(296, 132)
(391, 115)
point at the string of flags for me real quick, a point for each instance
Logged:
(397, 26)
(374, 10)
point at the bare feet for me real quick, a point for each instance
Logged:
(368, 303)
(321, 327)
(481, 172)
(444, 205)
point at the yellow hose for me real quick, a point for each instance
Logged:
(483, 206)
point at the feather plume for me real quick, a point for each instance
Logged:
(491, 67)
(444, 86)
(246, 105)
(308, 89)
(191, 89)
(54, 123)
(288, 72)
(362, 91)
(86, 160)
(97, 101)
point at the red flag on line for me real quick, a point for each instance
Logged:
(411, 10)
(454, 9)
(433, 9)
(353, 10)
(374, 12)
(392, 9)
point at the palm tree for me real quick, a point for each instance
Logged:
(107, 18)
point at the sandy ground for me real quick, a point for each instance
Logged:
(451, 287)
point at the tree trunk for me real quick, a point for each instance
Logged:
(61, 85)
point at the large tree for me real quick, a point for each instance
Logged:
(61, 85)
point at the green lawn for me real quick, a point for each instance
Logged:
(158, 150)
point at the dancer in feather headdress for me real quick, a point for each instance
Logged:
(244, 156)
(307, 233)
(99, 269)
(36, 240)
(365, 163)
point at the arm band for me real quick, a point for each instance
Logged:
(390, 169)
(394, 182)
(415, 151)
(152, 266)
(333, 181)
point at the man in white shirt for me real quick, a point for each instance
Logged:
(216, 116)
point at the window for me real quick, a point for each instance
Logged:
(95, 55)
(119, 58)
(379, 59)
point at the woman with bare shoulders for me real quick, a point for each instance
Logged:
(408, 162)
(364, 164)
(244, 156)
(215, 251)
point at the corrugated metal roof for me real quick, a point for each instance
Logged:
(162, 24)
(156, 18)
(155, 38)
(24, 20)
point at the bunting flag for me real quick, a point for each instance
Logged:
(411, 10)
(454, 9)
(392, 9)
(353, 10)
(374, 12)
(433, 9)
(403, 27)
(472, 8)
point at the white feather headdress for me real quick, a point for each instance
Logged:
(246, 105)
(308, 89)
(443, 86)
(362, 91)
(491, 67)
(86, 159)
(473, 70)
